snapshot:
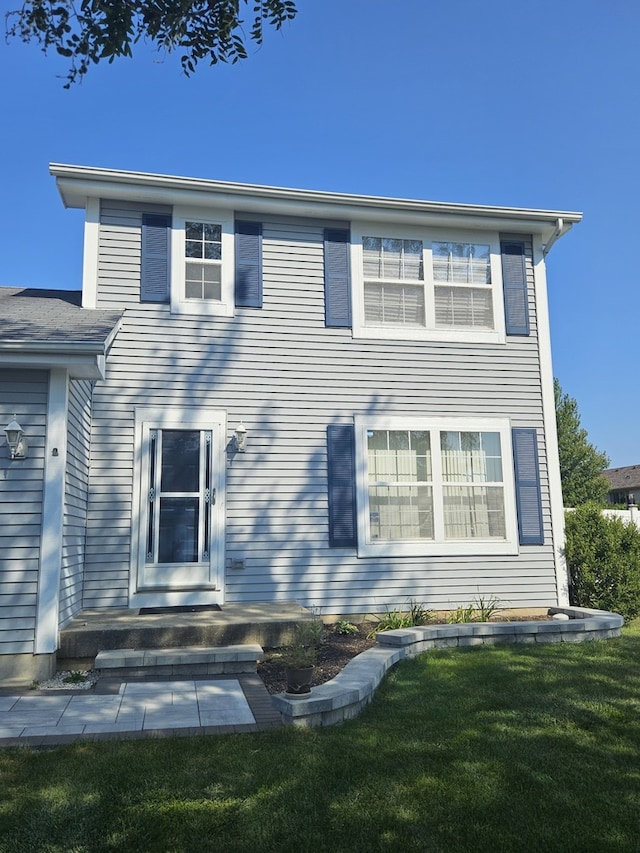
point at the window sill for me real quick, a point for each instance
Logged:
(453, 336)
(458, 548)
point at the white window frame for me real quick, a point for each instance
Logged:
(202, 307)
(429, 332)
(368, 547)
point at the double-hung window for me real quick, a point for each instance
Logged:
(426, 284)
(435, 486)
(202, 262)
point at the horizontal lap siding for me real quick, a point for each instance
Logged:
(287, 376)
(76, 490)
(23, 393)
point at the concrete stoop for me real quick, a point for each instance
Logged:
(266, 624)
(185, 661)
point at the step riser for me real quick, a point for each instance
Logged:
(185, 661)
(86, 644)
(178, 669)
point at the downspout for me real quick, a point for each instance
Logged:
(559, 231)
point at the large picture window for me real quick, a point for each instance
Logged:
(417, 284)
(435, 486)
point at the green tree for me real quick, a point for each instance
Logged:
(581, 464)
(88, 31)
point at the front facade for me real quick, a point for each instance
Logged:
(340, 400)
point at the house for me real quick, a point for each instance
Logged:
(624, 483)
(272, 394)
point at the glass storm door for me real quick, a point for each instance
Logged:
(178, 498)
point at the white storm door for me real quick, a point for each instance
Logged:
(181, 527)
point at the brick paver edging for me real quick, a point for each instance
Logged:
(345, 696)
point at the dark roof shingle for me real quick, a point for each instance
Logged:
(627, 477)
(29, 315)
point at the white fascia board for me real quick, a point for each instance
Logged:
(80, 365)
(77, 184)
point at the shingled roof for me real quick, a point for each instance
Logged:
(49, 329)
(29, 316)
(620, 479)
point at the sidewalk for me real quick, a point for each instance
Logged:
(136, 708)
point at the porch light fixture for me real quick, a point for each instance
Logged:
(241, 438)
(16, 440)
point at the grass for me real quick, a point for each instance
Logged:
(506, 748)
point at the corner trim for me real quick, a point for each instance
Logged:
(53, 503)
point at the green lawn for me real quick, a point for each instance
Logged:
(512, 748)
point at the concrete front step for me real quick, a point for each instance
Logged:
(186, 661)
(269, 624)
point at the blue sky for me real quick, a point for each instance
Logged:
(527, 105)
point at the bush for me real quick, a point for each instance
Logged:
(603, 558)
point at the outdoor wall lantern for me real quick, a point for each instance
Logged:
(241, 438)
(16, 440)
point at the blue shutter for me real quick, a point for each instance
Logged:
(514, 282)
(341, 467)
(154, 271)
(248, 264)
(337, 287)
(527, 474)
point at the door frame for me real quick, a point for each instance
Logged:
(178, 417)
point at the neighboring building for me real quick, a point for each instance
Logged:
(389, 360)
(623, 483)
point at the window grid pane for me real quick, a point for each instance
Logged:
(474, 512)
(463, 263)
(399, 512)
(393, 305)
(464, 307)
(385, 257)
(203, 281)
(203, 269)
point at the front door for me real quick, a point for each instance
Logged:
(180, 523)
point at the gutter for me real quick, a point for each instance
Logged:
(559, 231)
(78, 183)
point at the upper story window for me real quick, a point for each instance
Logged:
(393, 276)
(420, 284)
(202, 262)
(462, 284)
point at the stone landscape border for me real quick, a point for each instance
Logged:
(346, 695)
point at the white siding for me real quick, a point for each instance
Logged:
(76, 491)
(23, 393)
(287, 377)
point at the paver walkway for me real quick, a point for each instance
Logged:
(137, 708)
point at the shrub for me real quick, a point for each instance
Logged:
(603, 558)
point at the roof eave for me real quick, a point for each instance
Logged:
(78, 183)
(83, 360)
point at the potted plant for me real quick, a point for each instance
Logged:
(300, 657)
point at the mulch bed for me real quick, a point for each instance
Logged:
(334, 654)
